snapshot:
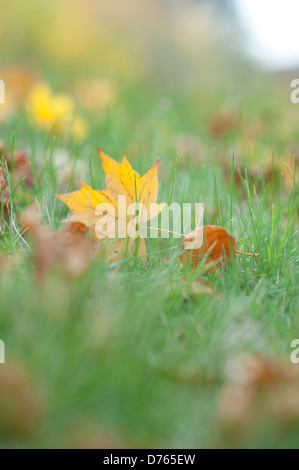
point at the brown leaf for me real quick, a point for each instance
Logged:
(259, 388)
(222, 122)
(20, 168)
(259, 371)
(270, 172)
(20, 405)
(211, 241)
(1, 148)
(84, 435)
(70, 249)
(121, 179)
(4, 191)
(288, 172)
(96, 441)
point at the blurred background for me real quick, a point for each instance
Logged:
(96, 53)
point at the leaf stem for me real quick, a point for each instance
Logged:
(246, 254)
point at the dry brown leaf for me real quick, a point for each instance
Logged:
(20, 404)
(70, 249)
(222, 122)
(4, 191)
(288, 171)
(259, 388)
(19, 83)
(20, 167)
(95, 441)
(214, 242)
(269, 171)
(1, 148)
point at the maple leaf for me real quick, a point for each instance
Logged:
(20, 402)
(18, 164)
(221, 123)
(121, 180)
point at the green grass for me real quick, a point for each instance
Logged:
(127, 350)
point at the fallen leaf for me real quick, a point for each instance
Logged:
(288, 172)
(259, 388)
(259, 371)
(87, 435)
(210, 241)
(121, 180)
(222, 122)
(95, 441)
(19, 83)
(70, 249)
(241, 172)
(269, 172)
(4, 191)
(256, 129)
(1, 148)
(20, 405)
(19, 166)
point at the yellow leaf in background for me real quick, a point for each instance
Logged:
(46, 110)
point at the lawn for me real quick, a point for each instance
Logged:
(155, 354)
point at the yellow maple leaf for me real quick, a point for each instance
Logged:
(121, 181)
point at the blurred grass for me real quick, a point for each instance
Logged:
(129, 355)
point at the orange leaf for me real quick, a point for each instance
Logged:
(4, 190)
(209, 241)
